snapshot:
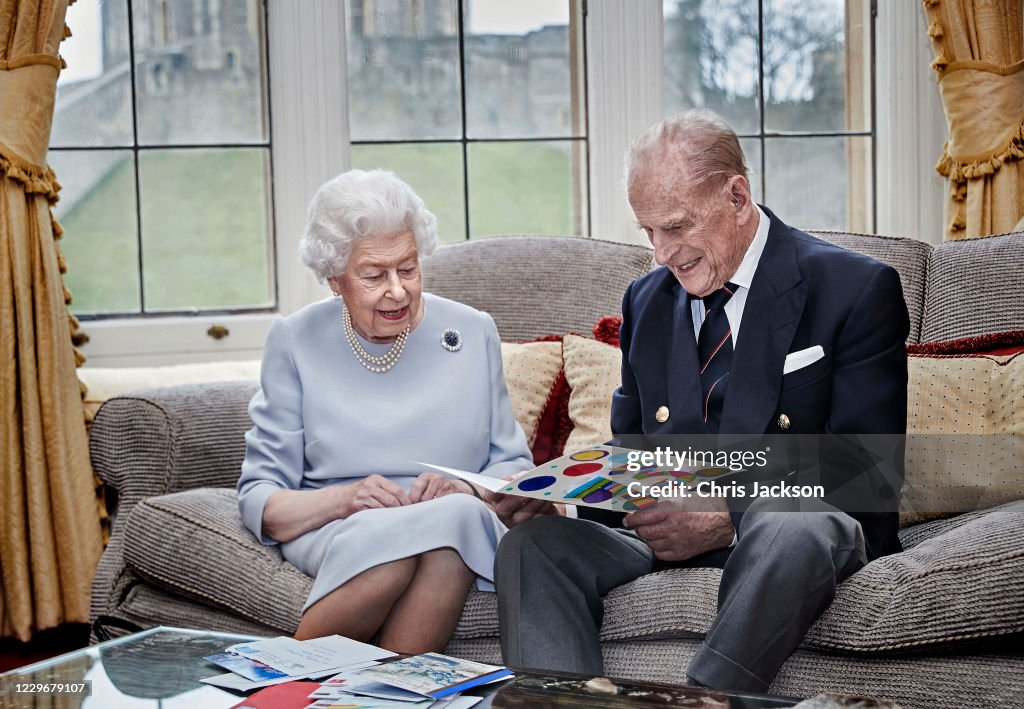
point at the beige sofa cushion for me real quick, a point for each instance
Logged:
(530, 372)
(592, 369)
(966, 441)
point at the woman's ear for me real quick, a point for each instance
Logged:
(334, 284)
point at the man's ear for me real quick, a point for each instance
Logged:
(738, 190)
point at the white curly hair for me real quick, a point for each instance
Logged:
(357, 204)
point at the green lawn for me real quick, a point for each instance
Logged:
(100, 247)
(204, 218)
(513, 187)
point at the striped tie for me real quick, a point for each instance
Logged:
(714, 352)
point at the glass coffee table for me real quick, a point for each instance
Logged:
(161, 667)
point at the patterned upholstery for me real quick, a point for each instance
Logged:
(974, 288)
(889, 605)
(892, 604)
(560, 284)
(934, 626)
(160, 441)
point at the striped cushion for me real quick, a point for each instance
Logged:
(974, 288)
(216, 560)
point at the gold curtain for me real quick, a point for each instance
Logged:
(980, 67)
(49, 527)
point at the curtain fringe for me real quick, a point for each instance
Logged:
(37, 180)
(960, 172)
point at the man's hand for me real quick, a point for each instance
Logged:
(677, 530)
(514, 509)
(372, 492)
(430, 485)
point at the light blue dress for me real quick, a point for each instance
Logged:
(322, 419)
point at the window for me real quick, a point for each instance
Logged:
(479, 105)
(794, 79)
(385, 88)
(161, 139)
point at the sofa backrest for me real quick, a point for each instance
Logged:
(975, 287)
(908, 256)
(537, 285)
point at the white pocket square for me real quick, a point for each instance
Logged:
(803, 358)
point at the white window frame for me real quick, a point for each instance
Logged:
(309, 144)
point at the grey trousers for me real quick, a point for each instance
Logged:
(552, 574)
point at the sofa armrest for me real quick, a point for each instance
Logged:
(160, 441)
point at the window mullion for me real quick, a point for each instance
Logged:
(624, 79)
(310, 131)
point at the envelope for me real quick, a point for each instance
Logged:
(802, 358)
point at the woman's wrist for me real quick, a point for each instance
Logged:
(342, 502)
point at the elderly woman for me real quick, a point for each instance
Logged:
(356, 389)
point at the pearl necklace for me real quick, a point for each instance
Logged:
(376, 364)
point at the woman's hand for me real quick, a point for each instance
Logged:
(430, 485)
(373, 492)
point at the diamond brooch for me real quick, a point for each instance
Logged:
(451, 340)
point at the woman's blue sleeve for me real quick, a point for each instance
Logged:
(274, 454)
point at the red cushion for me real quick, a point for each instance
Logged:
(997, 343)
(554, 426)
(607, 330)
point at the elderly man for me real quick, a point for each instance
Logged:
(749, 327)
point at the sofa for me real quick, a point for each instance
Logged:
(937, 625)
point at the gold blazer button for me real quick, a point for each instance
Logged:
(783, 422)
(661, 415)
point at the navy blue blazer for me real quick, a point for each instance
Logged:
(805, 292)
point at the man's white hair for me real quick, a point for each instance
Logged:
(709, 149)
(357, 204)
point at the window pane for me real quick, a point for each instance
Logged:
(526, 188)
(94, 92)
(805, 60)
(820, 183)
(199, 74)
(433, 170)
(403, 69)
(710, 59)
(519, 78)
(752, 152)
(97, 212)
(205, 228)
